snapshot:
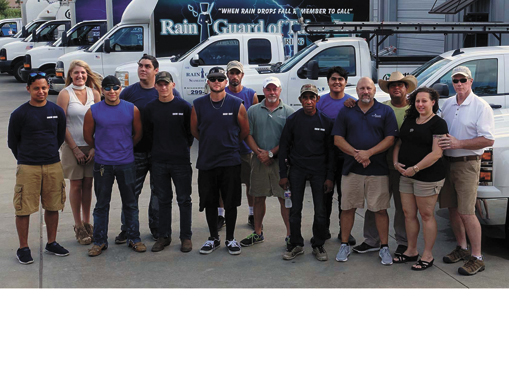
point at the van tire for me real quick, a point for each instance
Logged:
(50, 73)
(16, 70)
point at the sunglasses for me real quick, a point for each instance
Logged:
(217, 79)
(108, 88)
(463, 80)
(34, 75)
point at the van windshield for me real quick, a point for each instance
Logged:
(289, 64)
(426, 70)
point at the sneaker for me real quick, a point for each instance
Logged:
(365, 248)
(220, 222)
(252, 239)
(186, 245)
(250, 221)
(385, 256)
(89, 228)
(472, 266)
(96, 250)
(292, 252)
(82, 235)
(138, 246)
(233, 247)
(210, 246)
(24, 256)
(456, 255)
(320, 253)
(161, 243)
(121, 238)
(400, 250)
(55, 249)
(351, 239)
(343, 253)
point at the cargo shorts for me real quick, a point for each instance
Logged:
(39, 182)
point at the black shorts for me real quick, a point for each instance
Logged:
(224, 179)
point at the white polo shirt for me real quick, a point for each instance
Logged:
(473, 118)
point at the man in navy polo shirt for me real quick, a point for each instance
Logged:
(364, 133)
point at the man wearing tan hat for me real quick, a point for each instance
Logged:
(306, 154)
(398, 87)
(470, 121)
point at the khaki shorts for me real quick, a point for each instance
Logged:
(265, 180)
(420, 188)
(375, 189)
(73, 170)
(44, 182)
(245, 168)
(460, 187)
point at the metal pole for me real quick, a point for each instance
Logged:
(72, 9)
(24, 20)
(41, 242)
(109, 14)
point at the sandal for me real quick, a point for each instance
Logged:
(404, 258)
(423, 265)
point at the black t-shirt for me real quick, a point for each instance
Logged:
(417, 142)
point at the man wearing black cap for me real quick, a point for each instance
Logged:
(167, 119)
(306, 154)
(113, 127)
(219, 121)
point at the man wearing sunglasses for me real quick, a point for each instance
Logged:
(113, 128)
(471, 122)
(36, 132)
(219, 121)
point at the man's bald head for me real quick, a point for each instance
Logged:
(366, 90)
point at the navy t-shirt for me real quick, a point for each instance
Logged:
(36, 133)
(247, 95)
(364, 131)
(307, 144)
(141, 97)
(219, 132)
(169, 124)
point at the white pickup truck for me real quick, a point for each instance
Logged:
(491, 82)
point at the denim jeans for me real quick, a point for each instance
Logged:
(298, 178)
(181, 175)
(104, 177)
(143, 162)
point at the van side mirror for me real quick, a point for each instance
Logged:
(24, 32)
(107, 45)
(309, 70)
(35, 36)
(195, 61)
(442, 89)
(65, 39)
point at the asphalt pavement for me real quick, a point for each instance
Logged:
(258, 266)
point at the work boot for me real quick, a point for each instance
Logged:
(161, 243)
(138, 246)
(96, 250)
(186, 246)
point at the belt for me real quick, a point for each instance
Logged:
(464, 159)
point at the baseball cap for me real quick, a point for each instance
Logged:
(110, 80)
(271, 80)
(216, 72)
(308, 88)
(164, 77)
(462, 70)
(235, 65)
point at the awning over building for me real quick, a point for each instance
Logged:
(451, 6)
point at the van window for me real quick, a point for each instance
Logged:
(259, 51)
(484, 73)
(8, 29)
(50, 33)
(343, 56)
(85, 35)
(128, 39)
(220, 52)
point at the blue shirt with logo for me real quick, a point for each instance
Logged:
(364, 131)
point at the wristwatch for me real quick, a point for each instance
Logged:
(271, 155)
(416, 169)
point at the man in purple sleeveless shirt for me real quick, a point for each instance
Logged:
(113, 127)
(235, 73)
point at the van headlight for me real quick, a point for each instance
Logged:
(123, 76)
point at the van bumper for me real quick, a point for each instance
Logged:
(5, 66)
(491, 209)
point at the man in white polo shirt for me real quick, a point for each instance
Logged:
(470, 121)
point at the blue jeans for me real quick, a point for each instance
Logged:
(181, 175)
(143, 162)
(298, 179)
(104, 177)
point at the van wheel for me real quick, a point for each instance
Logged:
(16, 70)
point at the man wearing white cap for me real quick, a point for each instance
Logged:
(266, 122)
(470, 121)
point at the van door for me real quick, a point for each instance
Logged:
(83, 37)
(217, 54)
(489, 79)
(127, 46)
